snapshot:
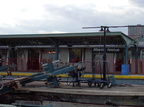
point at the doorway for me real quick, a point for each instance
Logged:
(118, 62)
(33, 59)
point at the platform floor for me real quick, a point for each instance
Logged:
(124, 95)
(120, 89)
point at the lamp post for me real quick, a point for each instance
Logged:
(104, 29)
(104, 56)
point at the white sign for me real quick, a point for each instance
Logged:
(107, 49)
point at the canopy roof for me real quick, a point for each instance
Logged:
(69, 39)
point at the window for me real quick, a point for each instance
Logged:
(75, 55)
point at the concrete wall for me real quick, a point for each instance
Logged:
(110, 60)
(88, 60)
(22, 60)
(64, 55)
(136, 66)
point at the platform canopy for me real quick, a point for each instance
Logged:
(68, 39)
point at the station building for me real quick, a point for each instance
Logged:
(29, 51)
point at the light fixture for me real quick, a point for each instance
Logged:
(101, 30)
(107, 29)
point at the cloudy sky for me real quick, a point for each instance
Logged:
(54, 16)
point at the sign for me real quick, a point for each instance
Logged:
(108, 50)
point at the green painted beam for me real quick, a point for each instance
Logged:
(59, 35)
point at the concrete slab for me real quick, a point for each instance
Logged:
(121, 95)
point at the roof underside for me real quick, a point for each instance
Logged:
(112, 38)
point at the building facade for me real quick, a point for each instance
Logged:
(29, 51)
(136, 30)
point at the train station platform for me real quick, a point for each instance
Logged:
(121, 95)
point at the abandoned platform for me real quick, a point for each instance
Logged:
(119, 95)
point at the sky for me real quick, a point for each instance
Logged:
(68, 16)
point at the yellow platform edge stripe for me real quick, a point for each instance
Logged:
(85, 76)
(116, 76)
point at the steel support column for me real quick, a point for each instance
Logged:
(136, 59)
(126, 54)
(57, 52)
